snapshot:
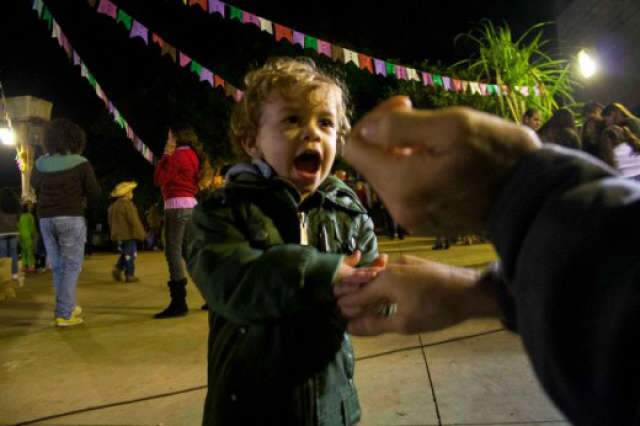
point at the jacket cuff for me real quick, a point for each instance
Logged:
(319, 275)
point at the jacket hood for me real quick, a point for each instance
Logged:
(58, 162)
(259, 175)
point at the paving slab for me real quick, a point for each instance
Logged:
(487, 380)
(394, 389)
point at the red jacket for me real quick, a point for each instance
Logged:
(177, 174)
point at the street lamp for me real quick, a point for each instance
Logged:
(7, 136)
(587, 64)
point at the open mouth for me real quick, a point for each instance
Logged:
(307, 163)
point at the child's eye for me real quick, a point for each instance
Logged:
(326, 122)
(292, 119)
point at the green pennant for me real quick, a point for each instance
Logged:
(492, 89)
(46, 16)
(120, 121)
(91, 79)
(437, 80)
(196, 68)
(125, 19)
(391, 68)
(310, 42)
(235, 13)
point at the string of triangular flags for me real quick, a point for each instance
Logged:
(63, 41)
(137, 29)
(360, 60)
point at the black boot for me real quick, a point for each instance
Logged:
(178, 306)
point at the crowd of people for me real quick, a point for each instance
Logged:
(286, 255)
(610, 133)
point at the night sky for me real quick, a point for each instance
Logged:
(151, 91)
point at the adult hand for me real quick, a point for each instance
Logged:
(429, 296)
(438, 172)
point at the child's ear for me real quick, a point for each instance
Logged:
(251, 147)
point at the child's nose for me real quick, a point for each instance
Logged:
(311, 132)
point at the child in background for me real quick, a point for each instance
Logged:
(269, 250)
(126, 228)
(28, 235)
(9, 211)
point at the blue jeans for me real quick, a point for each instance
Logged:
(64, 238)
(175, 223)
(127, 260)
(9, 248)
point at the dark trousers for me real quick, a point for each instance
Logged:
(127, 260)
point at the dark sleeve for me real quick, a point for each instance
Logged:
(90, 185)
(246, 284)
(565, 229)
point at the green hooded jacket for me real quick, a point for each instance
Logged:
(278, 352)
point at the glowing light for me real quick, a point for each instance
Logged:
(588, 65)
(7, 136)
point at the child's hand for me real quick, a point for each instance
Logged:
(349, 278)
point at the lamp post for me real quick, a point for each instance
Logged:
(28, 116)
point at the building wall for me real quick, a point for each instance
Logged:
(612, 28)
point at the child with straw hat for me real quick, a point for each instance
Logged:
(126, 228)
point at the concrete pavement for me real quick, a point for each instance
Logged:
(124, 368)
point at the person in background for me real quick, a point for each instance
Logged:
(154, 222)
(565, 229)
(179, 174)
(532, 118)
(62, 180)
(592, 109)
(618, 114)
(28, 236)
(553, 131)
(9, 211)
(126, 229)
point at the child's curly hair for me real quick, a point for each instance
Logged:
(289, 77)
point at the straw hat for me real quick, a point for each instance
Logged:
(123, 188)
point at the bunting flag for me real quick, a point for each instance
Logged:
(280, 32)
(137, 29)
(125, 19)
(107, 8)
(63, 41)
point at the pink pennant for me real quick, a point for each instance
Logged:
(108, 8)
(183, 59)
(426, 79)
(250, 18)
(401, 72)
(457, 84)
(483, 89)
(324, 47)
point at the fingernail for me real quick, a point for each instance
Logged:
(369, 130)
